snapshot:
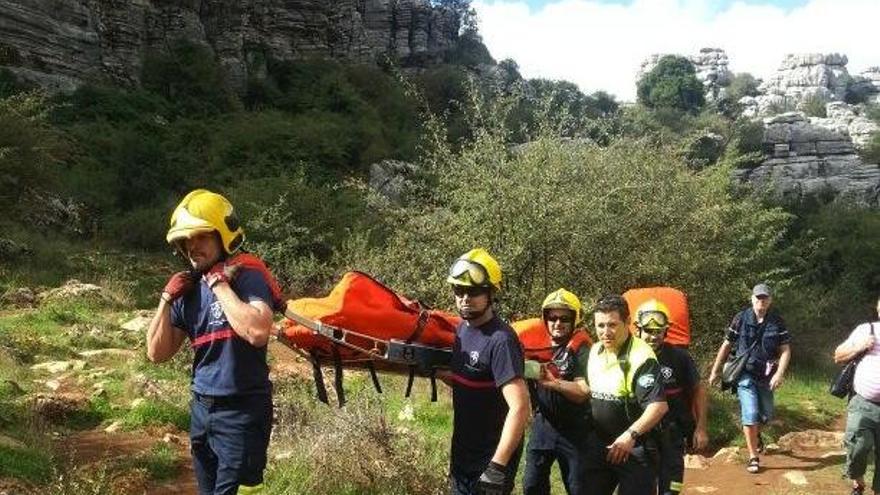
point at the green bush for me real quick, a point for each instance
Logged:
(190, 78)
(870, 153)
(671, 84)
(814, 106)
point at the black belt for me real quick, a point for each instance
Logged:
(219, 400)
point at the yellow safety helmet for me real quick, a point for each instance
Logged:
(652, 314)
(475, 268)
(563, 299)
(206, 211)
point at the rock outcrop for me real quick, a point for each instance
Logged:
(805, 159)
(60, 44)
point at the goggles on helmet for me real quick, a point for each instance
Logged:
(652, 320)
(469, 273)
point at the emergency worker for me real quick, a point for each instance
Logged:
(560, 401)
(223, 304)
(626, 398)
(489, 395)
(684, 426)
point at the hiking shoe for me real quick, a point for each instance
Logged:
(753, 466)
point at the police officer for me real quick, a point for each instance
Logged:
(626, 395)
(560, 398)
(685, 423)
(489, 396)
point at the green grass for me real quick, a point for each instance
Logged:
(161, 462)
(157, 412)
(27, 464)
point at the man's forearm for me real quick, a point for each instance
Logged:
(784, 359)
(162, 342)
(575, 391)
(700, 407)
(650, 417)
(511, 434)
(723, 351)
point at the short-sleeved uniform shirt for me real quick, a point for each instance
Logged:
(224, 364)
(621, 389)
(484, 359)
(680, 376)
(745, 330)
(556, 416)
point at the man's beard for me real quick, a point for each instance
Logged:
(472, 314)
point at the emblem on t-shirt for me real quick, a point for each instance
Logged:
(474, 357)
(217, 315)
(646, 381)
(666, 371)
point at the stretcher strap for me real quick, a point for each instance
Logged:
(409, 381)
(433, 385)
(320, 388)
(374, 376)
(337, 378)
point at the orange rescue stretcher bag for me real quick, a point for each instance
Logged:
(364, 324)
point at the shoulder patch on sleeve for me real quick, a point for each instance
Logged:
(647, 380)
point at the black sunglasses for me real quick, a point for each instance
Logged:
(462, 290)
(559, 318)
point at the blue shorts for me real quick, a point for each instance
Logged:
(755, 400)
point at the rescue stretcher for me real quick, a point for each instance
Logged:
(362, 324)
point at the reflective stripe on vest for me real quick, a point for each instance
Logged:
(250, 490)
(604, 371)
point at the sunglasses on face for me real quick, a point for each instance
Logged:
(469, 272)
(559, 318)
(461, 291)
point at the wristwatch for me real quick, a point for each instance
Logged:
(634, 434)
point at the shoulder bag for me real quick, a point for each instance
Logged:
(842, 384)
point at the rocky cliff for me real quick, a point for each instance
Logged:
(59, 44)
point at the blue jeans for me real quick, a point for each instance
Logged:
(755, 400)
(228, 439)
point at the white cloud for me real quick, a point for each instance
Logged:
(600, 46)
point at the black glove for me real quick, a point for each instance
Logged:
(493, 481)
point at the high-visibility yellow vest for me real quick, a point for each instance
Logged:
(610, 374)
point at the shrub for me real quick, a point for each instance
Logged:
(189, 76)
(870, 152)
(814, 106)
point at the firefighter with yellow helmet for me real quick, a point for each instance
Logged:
(560, 401)
(489, 396)
(223, 305)
(684, 426)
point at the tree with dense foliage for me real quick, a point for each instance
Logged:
(672, 83)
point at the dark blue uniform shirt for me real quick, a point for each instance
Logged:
(224, 363)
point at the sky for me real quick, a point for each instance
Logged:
(600, 44)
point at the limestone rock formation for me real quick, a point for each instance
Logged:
(802, 75)
(805, 159)
(60, 44)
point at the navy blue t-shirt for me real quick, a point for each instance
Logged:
(680, 376)
(484, 359)
(224, 363)
(555, 415)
